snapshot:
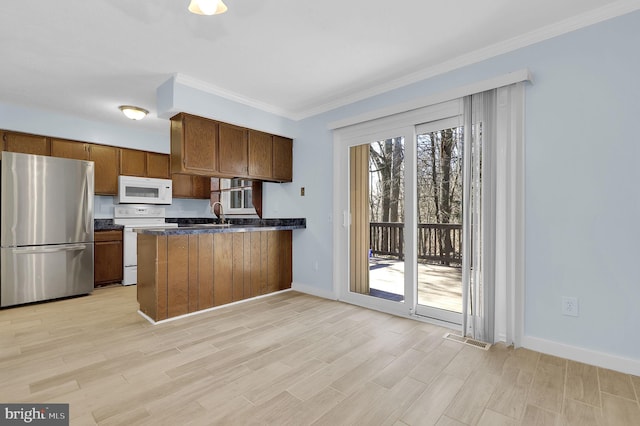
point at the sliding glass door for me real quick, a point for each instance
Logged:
(430, 207)
(405, 233)
(438, 235)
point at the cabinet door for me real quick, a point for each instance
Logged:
(108, 257)
(260, 155)
(106, 159)
(69, 149)
(26, 144)
(187, 186)
(181, 185)
(282, 159)
(194, 145)
(132, 162)
(158, 165)
(232, 145)
(201, 187)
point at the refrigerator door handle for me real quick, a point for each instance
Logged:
(87, 216)
(34, 250)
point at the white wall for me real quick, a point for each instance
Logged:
(582, 207)
(50, 123)
(41, 122)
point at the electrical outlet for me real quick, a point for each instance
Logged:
(570, 306)
(302, 191)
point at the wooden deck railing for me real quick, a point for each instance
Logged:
(439, 243)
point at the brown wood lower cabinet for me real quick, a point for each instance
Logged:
(179, 274)
(107, 257)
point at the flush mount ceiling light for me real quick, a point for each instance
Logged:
(207, 7)
(133, 112)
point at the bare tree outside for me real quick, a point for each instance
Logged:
(439, 193)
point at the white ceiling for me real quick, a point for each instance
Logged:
(293, 57)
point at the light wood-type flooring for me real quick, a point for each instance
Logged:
(287, 359)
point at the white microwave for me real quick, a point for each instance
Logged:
(139, 190)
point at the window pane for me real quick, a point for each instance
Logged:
(235, 199)
(247, 199)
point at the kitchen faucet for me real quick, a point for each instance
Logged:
(213, 205)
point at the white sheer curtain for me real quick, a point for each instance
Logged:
(493, 219)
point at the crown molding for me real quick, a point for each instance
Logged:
(610, 11)
(211, 89)
(586, 19)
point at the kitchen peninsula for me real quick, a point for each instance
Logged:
(199, 266)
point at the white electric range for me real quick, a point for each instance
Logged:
(136, 216)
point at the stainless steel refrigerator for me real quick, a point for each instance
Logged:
(46, 228)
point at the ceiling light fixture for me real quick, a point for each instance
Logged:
(133, 112)
(207, 7)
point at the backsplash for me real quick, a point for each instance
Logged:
(180, 207)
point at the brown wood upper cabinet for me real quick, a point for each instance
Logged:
(194, 145)
(232, 147)
(282, 159)
(260, 155)
(188, 186)
(158, 165)
(106, 159)
(134, 162)
(200, 146)
(25, 143)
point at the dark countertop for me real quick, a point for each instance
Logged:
(105, 225)
(190, 226)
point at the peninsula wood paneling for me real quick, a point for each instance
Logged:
(248, 264)
(256, 274)
(180, 274)
(273, 262)
(223, 269)
(152, 276)
(238, 266)
(264, 262)
(162, 278)
(194, 269)
(205, 271)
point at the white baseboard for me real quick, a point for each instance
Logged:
(587, 356)
(314, 291)
(214, 308)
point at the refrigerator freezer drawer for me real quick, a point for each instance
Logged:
(31, 274)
